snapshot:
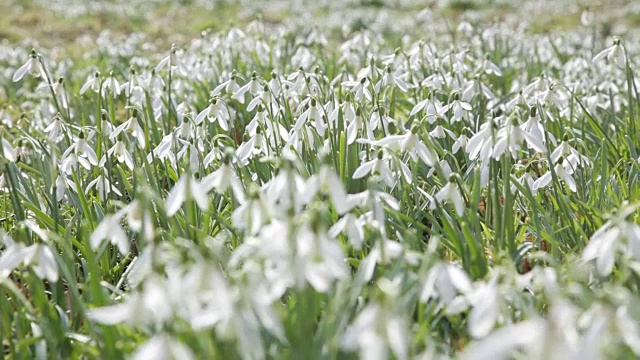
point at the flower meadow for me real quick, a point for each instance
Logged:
(322, 189)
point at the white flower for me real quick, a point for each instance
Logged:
(253, 86)
(481, 144)
(32, 66)
(248, 149)
(111, 83)
(8, 151)
(103, 186)
(314, 113)
(615, 54)
(391, 79)
(432, 107)
(377, 165)
(93, 83)
(374, 331)
(131, 126)
(409, 142)
(319, 259)
(327, 181)
(605, 241)
(110, 228)
(120, 152)
(216, 111)
(459, 108)
(163, 347)
(172, 61)
(360, 89)
(572, 158)
(354, 227)
(511, 136)
(38, 256)
(230, 86)
(444, 282)
(484, 315)
(187, 187)
(252, 214)
(56, 128)
(562, 173)
(501, 343)
(451, 193)
(82, 151)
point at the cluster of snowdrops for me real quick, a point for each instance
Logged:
(266, 193)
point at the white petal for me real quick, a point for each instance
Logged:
(176, 196)
(19, 74)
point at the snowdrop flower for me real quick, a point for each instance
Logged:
(354, 228)
(474, 87)
(327, 181)
(81, 152)
(172, 61)
(230, 86)
(186, 188)
(451, 193)
(254, 146)
(120, 152)
(137, 85)
(356, 123)
(459, 143)
(440, 132)
(572, 158)
(252, 214)
(253, 86)
(8, 151)
(374, 331)
(109, 228)
(490, 68)
(314, 113)
(103, 186)
(562, 173)
(432, 107)
(165, 150)
(615, 54)
(224, 178)
(216, 111)
(533, 127)
(501, 343)
(111, 83)
(527, 180)
(146, 307)
(391, 79)
(481, 144)
(62, 185)
(32, 66)
(511, 136)
(484, 315)
(41, 259)
(376, 166)
(459, 108)
(409, 142)
(94, 83)
(359, 89)
(264, 97)
(607, 239)
(38, 256)
(56, 129)
(190, 153)
(444, 282)
(163, 347)
(132, 127)
(319, 260)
